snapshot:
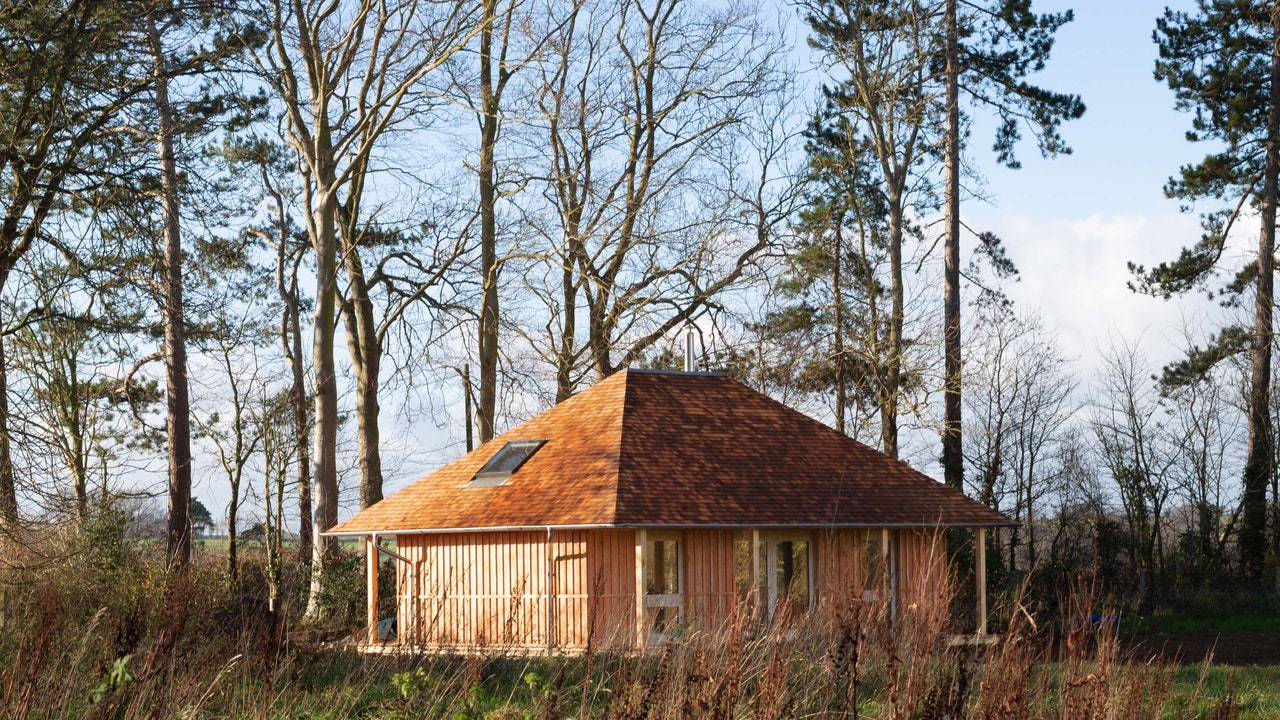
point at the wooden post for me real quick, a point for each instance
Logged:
(642, 631)
(756, 604)
(550, 594)
(466, 402)
(890, 587)
(371, 553)
(982, 580)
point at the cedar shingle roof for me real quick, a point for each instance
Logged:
(664, 448)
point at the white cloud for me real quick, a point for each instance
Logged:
(1074, 274)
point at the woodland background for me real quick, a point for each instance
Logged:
(268, 243)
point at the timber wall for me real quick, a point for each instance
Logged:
(513, 589)
(492, 589)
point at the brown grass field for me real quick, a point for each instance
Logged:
(100, 631)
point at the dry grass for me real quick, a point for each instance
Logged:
(105, 634)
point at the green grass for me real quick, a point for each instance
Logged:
(1256, 689)
(1258, 619)
(515, 689)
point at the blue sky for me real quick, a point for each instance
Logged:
(1130, 138)
(1072, 223)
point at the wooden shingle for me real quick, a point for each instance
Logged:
(655, 448)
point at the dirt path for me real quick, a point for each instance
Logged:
(1242, 648)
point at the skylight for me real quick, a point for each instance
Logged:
(505, 462)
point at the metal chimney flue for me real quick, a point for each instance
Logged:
(689, 364)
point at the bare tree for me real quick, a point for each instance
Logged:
(279, 450)
(231, 421)
(658, 140)
(390, 275)
(1128, 426)
(1203, 432)
(495, 73)
(343, 72)
(1019, 405)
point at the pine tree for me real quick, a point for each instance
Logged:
(62, 86)
(889, 98)
(989, 50)
(1223, 65)
(834, 288)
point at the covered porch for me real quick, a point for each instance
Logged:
(559, 590)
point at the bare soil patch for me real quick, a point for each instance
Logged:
(1236, 648)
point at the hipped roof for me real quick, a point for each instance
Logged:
(658, 448)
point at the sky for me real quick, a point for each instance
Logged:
(1073, 222)
(1070, 224)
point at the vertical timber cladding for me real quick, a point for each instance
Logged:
(710, 589)
(407, 589)
(925, 571)
(480, 589)
(841, 566)
(611, 586)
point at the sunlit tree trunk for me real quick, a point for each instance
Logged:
(365, 349)
(177, 399)
(952, 451)
(1258, 463)
(490, 106)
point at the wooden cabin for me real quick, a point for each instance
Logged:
(651, 502)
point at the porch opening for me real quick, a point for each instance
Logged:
(663, 585)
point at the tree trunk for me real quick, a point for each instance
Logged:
(1258, 469)
(992, 474)
(893, 364)
(291, 343)
(837, 298)
(1031, 517)
(233, 512)
(568, 330)
(488, 349)
(600, 334)
(366, 360)
(325, 446)
(1013, 545)
(952, 451)
(175, 350)
(1275, 530)
(79, 465)
(8, 489)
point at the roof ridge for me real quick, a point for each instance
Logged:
(664, 371)
(623, 423)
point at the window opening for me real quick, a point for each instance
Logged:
(786, 574)
(505, 462)
(743, 564)
(663, 588)
(792, 567)
(873, 566)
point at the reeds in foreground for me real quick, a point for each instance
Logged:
(91, 639)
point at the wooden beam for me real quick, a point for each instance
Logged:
(550, 594)
(890, 584)
(754, 593)
(981, 539)
(642, 629)
(371, 556)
